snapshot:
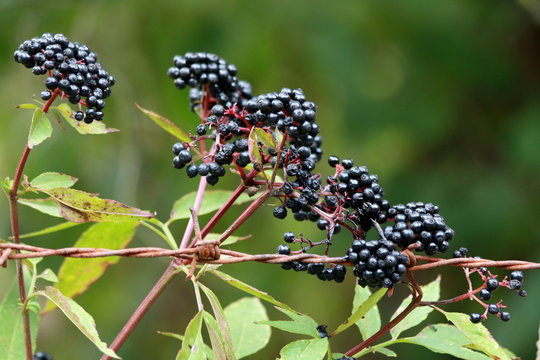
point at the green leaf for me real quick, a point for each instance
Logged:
(76, 275)
(27, 106)
(445, 339)
(48, 275)
(40, 130)
(247, 336)
(166, 124)
(300, 324)
(367, 305)
(253, 148)
(477, 334)
(221, 322)
(171, 335)
(432, 292)
(46, 206)
(94, 128)
(386, 352)
(50, 229)
(12, 345)
(266, 138)
(251, 290)
(305, 350)
(212, 201)
(79, 206)
(370, 323)
(193, 331)
(218, 344)
(51, 180)
(78, 316)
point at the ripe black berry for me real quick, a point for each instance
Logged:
(280, 212)
(493, 309)
(505, 316)
(40, 355)
(288, 237)
(485, 294)
(475, 318)
(492, 284)
(191, 171)
(333, 161)
(283, 250)
(517, 275)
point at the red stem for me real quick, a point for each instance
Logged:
(196, 207)
(245, 215)
(16, 240)
(144, 306)
(15, 230)
(219, 214)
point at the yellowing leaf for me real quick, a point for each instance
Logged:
(79, 206)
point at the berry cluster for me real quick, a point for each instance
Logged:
(514, 283)
(229, 116)
(335, 273)
(420, 223)
(208, 72)
(377, 263)
(40, 355)
(355, 189)
(73, 71)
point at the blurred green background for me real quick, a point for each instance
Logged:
(441, 99)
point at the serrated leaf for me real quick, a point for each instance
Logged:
(367, 305)
(445, 339)
(253, 148)
(218, 344)
(76, 275)
(432, 292)
(48, 275)
(370, 323)
(193, 331)
(265, 138)
(46, 206)
(12, 345)
(477, 334)
(94, 128)
(300, 324)
(40, 129)
(79, 206)
(166, 124)
(78, 316)
(221, 321)
(212, 201)
(240, 285)
(314, 349)
(51, 180)
(248, 337)
(50, 229)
